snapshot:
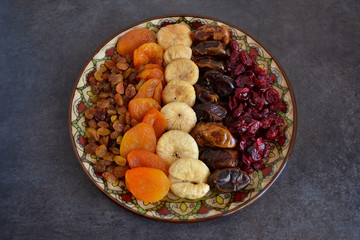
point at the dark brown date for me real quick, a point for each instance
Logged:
(213, 135)
(206, 63)
(205, 95)
(209, 112)
(209, 48)
(219, 158)
(210, 32)
(228, 180)
(221, 84)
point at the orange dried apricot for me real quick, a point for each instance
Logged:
(134, 39)
(157, 120)
(138, 107)
(147, 184)
(152, 66)
(148, 53)
(143, 158)
(142, 136)
(149, 73)
(151, 89)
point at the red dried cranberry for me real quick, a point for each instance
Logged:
(272, 96)
(258, 70)
(238, 70)
(245, 58)
(234, 45)
(253, 127)
(281, 138)
(242, 93)
(232, 103)
(258, 165)
(238, 111)
(272, 133)
(257, 100)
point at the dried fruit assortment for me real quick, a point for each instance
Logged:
(185, 111)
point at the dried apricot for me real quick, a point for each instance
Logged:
(151, 73)
(142, 136)
(151, 89)
(147, 184)
(138, 107)
(148, 53)
(157, 120)
(134, 39)
(143, 158)
(152, 66)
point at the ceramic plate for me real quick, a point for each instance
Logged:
(173, 208)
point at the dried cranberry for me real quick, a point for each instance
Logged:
(234, 45)
(257, 100)
(245, 58)
(272, 133)
(258, 70)
(232, 103)
(281, 138)
(272, 96)
(238, 70)
(238, 111)
(242, 93)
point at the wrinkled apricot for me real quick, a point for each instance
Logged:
(147, 184)
(151, 89)
(152, 66)
(148, 53)
(142, 136)
(157, 120)
(149, 73)
(138, 107)
(143, 158)
(134, 39)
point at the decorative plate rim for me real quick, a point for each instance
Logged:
(219, 215)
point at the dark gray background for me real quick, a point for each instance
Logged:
(45, 194)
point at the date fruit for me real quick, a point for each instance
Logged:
(221, 84)
(206, 62)
(213, 135)
(211, 32)
(219, 158)
(209, 48)
(205, 95)
(228, 180)
(209, 112)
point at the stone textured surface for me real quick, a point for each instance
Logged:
(46, 195)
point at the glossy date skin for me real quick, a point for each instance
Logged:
(209, 112)
(213, 135)
(222, 84)
(228, 180)
(218, 158)
(209, 48)
(211, 32)
(205, 94)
